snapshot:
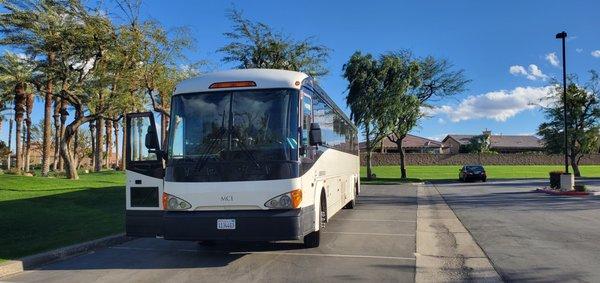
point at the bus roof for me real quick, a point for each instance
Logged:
(264, 78)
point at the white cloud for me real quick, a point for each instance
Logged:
(532, 74)
(535, 71)
(517, 70)
(496, 105)
(579, 50)
(596, 53)
(441, 121)
(552, 59)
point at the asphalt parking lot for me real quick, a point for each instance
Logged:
(530, 236)
(373, 242)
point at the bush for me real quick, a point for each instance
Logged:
(14, 171)
(555, 179)
(580, 188)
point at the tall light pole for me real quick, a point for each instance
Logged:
(563, 37)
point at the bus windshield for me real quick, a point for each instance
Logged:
(232, 135)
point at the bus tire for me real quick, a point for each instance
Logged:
(313, 239)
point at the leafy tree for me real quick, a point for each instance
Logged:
(364, 99)
(438, 79)
(160, 71)
(479, 144)
(388, 94)
(84, 72)
(402, 111)
(583, 120)
(256, 45)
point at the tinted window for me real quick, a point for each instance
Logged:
(474, 168)
(139, 130)
(337, 133)
(233, 135)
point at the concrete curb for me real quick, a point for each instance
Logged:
(446, 251)
(33, 261)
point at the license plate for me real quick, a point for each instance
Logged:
(225, 224)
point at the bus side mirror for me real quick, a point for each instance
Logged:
(151, 139)
(314, 135)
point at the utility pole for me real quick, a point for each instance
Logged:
(563, 37)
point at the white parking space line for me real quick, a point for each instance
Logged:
(369, 234)
(340, 255)
(267, 252)
(375, 220)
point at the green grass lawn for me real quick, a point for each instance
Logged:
(39, 214)
(415, 173)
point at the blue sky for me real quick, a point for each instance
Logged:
(502, 46)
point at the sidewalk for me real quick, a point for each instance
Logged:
(446, 252)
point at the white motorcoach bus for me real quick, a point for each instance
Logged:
(256, 154)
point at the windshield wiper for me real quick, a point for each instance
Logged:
(211, 146)
(246, 151)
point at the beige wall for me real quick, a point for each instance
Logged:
(454, 146)
(485, 159)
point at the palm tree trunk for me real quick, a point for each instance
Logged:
(93, 139)
(28, 145)
(20, 98)
(108, 143)
(19, 123)
(116, 129)
(10, 127)
(46, 144)
(134, 142)
(369, 166)
(29, 108)
(56, 116)
(99, 144)
(123, 146)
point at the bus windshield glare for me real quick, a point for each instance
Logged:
(233, 135)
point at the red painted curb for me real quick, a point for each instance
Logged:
(567, 193)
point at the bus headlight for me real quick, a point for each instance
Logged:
(171, 202)
(287, 200)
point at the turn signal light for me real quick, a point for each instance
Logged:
(232, 84)
(296, 198)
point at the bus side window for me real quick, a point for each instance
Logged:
(139, 130)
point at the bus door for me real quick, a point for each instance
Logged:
(145, 176)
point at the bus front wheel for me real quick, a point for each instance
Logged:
(313, 239)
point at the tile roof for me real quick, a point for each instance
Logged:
(412, 141)
(503, 141)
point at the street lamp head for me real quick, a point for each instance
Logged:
(561, 35)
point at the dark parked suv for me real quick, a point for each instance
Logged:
(471, 173)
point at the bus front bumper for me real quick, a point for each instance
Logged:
(250, 225)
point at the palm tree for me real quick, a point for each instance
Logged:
(34, 26)
(29, 101)
(16, 73)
